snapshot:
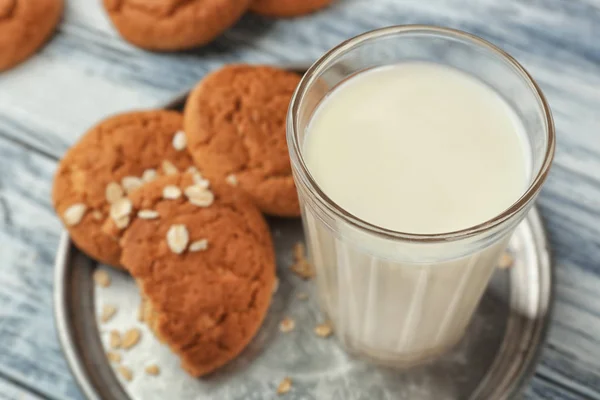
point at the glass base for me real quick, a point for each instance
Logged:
(403, 360)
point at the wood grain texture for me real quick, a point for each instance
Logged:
(87, 72)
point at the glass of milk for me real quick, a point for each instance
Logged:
(416, 150)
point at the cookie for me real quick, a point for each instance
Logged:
(25, 25)
(206, 270)
(173, 24)
(287, 8)
(235, 123)
(112, 158)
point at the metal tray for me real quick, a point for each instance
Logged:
(493, 361)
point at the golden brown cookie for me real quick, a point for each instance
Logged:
(114, 157)
(235, 124)
(287, 8)
(173, 24)
(206, 270)
(25, 25)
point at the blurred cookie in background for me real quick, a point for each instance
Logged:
(25, 25)
(168, 25)
(287, 8)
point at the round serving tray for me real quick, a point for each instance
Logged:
(493, 361)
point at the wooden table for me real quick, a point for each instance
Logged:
(87, 72)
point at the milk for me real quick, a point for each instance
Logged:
(416, 148)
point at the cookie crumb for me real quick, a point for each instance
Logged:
(299, 251)
(302, 296)
(324, 330)
(113, 356)
(97, 215)
(287, 325)
(179, 141)
(74, 214)
(285, 386)
(131, 338)
(141, 312)
(171, 192)
(303, 269)
(147, 214)
(199, 245)
(152, 370)
(101, 278)
(115, 339)
(131, 183)
(113, 192)
(232, 180)
(149, 175)
(120, 208)
(178, 238)
(125, 373)
(506, 261)
(169, 168)
(108, 311)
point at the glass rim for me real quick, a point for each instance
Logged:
(311, 75)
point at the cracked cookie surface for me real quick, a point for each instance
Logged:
(113, 157)
(207, 302)
(173, 24)
(235, 123)
(25, 25)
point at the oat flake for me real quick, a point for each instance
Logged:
(74, 214)
(179, 141)
(178, 238)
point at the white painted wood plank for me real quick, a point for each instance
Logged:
(8, 391)
(29, 350)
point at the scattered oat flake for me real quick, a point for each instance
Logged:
(108, 311)
(73, 215)
(152, 369)
(275, 285)
(125, 373)
(287, 325)
(113, 192)
(205, 199)
(299, 251)
(178, 238)
(115, 339)
(131, 183)
(122, 222)
(506, 261)
(120, 208)
(232, 180)
(113, 357)
(130, 338)
(195, 190)
(324, 330)
(147, 214)
(285, 386)
(303, 269)
(149, 175)
(169, 168)
(199, 245)
(179, 141)
(171, 192)
(97, 215)
(102, 278)
(302, 296)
